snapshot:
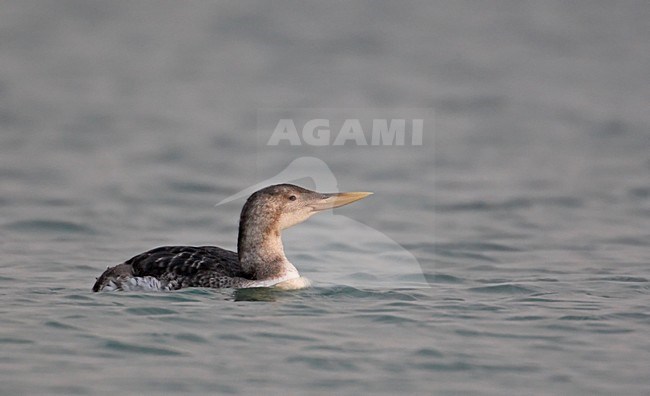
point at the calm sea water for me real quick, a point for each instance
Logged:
(507, 255)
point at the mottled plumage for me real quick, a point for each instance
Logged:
(176, 267)
(260, 260)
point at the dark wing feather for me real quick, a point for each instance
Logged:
(186, 261)
(179, 266)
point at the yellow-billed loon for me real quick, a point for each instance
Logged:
(258, 262)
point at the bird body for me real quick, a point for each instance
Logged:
(259, 261)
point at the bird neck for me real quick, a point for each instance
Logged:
(260, 251)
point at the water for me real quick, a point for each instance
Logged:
(526, 210)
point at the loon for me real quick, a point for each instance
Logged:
(259, 261)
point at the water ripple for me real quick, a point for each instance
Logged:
(509, 288)
(49, 226)
(511, 204)
(119, 346)
(149, 311)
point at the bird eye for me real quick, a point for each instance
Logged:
(292, 198)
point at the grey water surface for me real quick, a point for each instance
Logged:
(507, 255)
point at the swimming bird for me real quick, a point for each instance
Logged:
(259, 261)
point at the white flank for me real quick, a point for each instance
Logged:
(146, 283)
